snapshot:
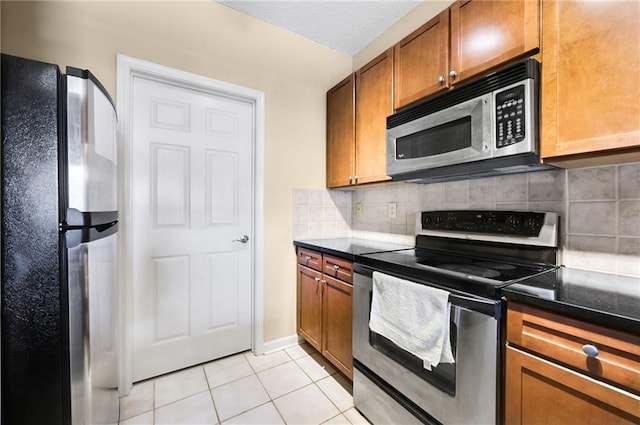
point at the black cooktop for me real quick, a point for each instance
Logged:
(474, 275)
(484, 270)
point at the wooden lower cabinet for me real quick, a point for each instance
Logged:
(550, 378)
(324, 309)
(310, 306)
(337, 338)
(541, 392)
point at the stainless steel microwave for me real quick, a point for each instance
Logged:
(487, 127)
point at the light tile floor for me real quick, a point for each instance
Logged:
(292, 386)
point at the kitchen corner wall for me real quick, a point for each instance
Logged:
(213, 40)
(599, 209)
(321, 213)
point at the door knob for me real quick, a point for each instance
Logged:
(243, 239)
(453, 75)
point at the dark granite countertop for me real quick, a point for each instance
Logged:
(600, 298)
(349, 248)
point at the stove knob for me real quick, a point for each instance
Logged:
(531, 224)
(438, 219)
(513, 222)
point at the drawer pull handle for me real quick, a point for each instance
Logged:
(306, 257)
(336, 267)
(590, 350)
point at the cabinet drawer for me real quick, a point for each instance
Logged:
(564, 339)
(338, 268)
(311, 259)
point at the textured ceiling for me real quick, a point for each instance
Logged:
(346, 26)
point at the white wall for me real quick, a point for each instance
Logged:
(209, 39)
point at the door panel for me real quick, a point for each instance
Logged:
(170, 169)
(192, 197)
(171, 285)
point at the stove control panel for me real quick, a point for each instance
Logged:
(521, 223)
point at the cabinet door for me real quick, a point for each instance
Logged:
(590, 80)
(309, 312)
(541, 392)
(340, 133)
(374, 88)
(422, 61)
(336, 344)
(485, 34)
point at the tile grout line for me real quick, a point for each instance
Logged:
(215, 408)
(267, 392)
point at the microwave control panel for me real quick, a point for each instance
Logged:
(510, 116)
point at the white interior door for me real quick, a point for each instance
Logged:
(192, 201)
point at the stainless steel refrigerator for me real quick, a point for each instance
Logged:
(59, 247)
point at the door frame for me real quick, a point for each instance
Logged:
(129, 68)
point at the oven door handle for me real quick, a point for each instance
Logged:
(488, 307)
(485, 306)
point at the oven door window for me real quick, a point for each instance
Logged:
(442, 376)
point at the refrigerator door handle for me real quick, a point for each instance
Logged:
(77, 236)
(76, 218)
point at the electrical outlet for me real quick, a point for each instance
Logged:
(359, 209)
(392, 209)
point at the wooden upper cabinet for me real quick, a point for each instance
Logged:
(340, 133)
(485, 34)
(374, 89)
(422, 61)
(590, 82)
(470, 37)
(337, 328)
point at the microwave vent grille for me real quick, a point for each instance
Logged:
(528, 68)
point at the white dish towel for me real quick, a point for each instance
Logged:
(414, 316)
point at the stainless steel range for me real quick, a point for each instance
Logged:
(471, 255)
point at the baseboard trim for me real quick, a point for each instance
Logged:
(280, 343)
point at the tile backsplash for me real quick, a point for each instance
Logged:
(599, 209)
(321, 213)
